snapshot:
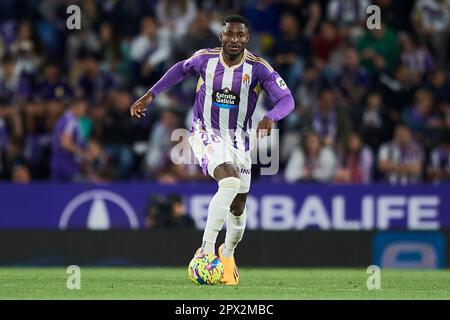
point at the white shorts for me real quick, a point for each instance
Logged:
(211, 150)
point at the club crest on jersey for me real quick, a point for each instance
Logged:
(246, 80)
(225, 98)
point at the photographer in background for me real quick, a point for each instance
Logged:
(167, 211)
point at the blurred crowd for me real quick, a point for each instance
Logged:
(371, 105)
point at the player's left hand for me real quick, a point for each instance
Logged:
(264, 128)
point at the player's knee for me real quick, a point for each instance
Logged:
(230, 183)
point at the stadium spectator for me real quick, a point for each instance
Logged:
(325, 42)
(439, 85)
(220, 7)
(290, 50)
(379, 49)
(81, 42)
(439, 166)
(347, 13)
(374, 124)
(432, 20)
(39, 119)
(200, 35)
(311, 162)
(176, 16)
(401, 159)
(352, 82)
(114, 53)
(117, 132)
(355, 162)
(4, 143)
(414, 56)
(398, 89)
(397, 14)
(312, 81)
(94, 84)
(263, 17)
(14, 85)
(420, 117)
(331, 122)
(446, 115)
(52, 85)
(158, 150)
(148, 51)
(14, 91)
(27, 49)
(307, 13)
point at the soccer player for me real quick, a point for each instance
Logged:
(230, 81)
(69, 149)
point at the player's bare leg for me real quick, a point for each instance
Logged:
(236, 221)
(229, 182)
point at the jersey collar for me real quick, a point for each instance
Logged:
(235, 66)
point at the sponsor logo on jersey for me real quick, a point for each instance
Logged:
(225, 98)
(281, 83)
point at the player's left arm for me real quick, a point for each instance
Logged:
(279, 93)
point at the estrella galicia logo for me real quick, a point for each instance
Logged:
(98, 210)
(225, 98)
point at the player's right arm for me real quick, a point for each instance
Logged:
(173, 76)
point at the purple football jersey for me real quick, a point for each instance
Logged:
(64, 164)
(226, 96)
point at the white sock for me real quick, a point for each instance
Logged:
(217, 211)
(235, 232)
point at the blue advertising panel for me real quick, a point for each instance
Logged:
(418, 250)
(270, 206)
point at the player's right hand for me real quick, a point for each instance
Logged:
(138, 108)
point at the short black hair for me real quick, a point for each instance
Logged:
(236, 18)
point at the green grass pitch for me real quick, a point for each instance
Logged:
(256, 283)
